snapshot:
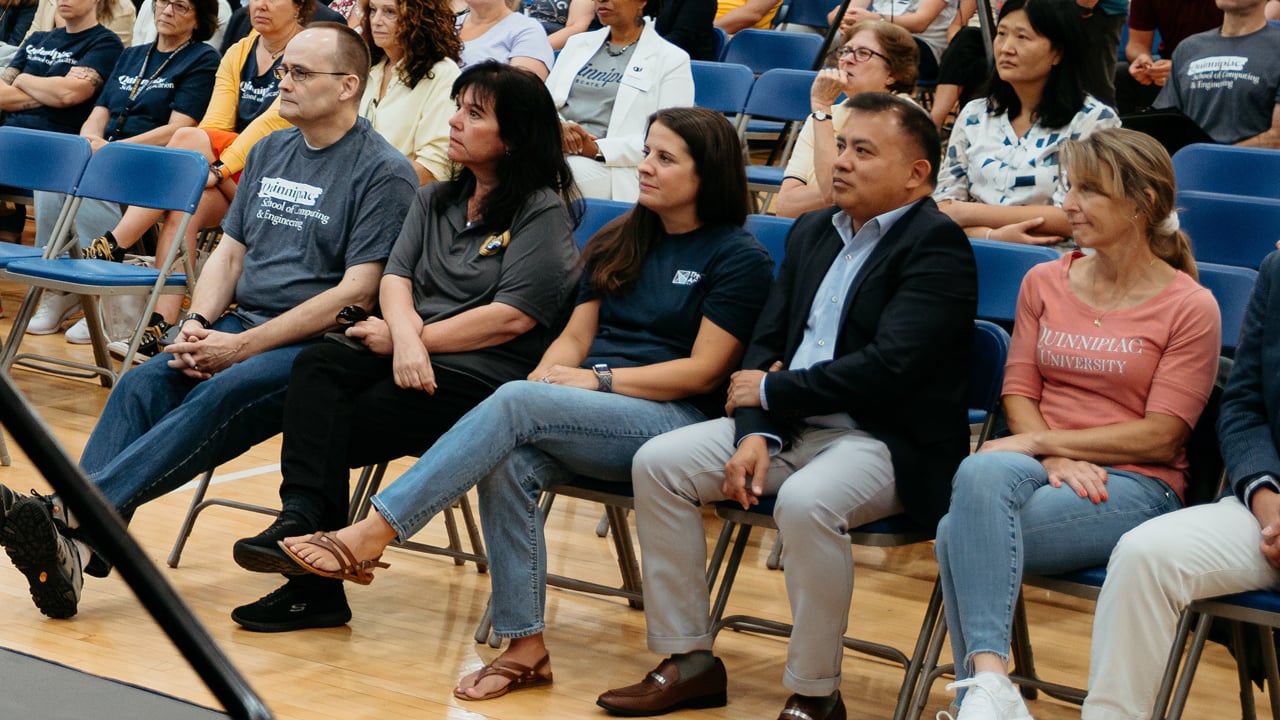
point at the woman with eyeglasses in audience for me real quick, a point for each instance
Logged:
(1113, 358)
(877, 57)
(1000, 177)
(476, 285)
(415, 61)
(154, 90)
(669, 296)
(243, 109)
(53, 79)
(605, 84)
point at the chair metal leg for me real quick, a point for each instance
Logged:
(930, 670)
(912, 678)
(1024, 662)
(1248, 710)
(5, 460)
(198, 504)
(1268, 642)
(1189, 668)
(1185, 621)
(473, 533)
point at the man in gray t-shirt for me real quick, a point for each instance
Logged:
(318, 208)
(1228, 80)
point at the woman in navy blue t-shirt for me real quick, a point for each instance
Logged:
(669, 298)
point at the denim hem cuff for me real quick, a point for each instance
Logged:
(401, 534)
(517, 634)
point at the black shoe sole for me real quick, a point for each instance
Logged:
(335, 618)
(256, 558)
(31, 541)
(702, 702)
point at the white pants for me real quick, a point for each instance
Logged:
(827, 481)
(1156, 571)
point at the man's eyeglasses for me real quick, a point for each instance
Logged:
(178, 8)
(300, 76)
(861, 54)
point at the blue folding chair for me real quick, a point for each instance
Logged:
(1231, 287)
(781, 97)
(990, 350)
(723, 87)
(596, 213)
(810, 13)
(1227, 169)
(763, 50)
(1001, 266)
(771, 231)
(44, 161)
(158, 178)
(1229, 229)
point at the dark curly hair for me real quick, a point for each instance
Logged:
(427, 36)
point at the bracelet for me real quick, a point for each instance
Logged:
(204, 322)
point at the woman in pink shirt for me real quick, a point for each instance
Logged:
(1113, 358)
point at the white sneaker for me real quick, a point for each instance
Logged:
(55, 307)
(78, 334)
(988, 696)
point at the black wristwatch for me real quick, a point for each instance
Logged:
(219, 170)
(604, 377)
(204, 322)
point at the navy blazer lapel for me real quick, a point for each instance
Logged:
(883, 247)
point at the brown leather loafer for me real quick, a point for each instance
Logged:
(663, 691)
(803, 707)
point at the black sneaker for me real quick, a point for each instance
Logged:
(151, 344)
(260, 553)
(33, 537)
(296, 606)
(105, 248)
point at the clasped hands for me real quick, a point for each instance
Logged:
(578, 141)
(201, 353)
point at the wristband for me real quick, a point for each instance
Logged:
(204, 322)
(220, 171)
(604, 377)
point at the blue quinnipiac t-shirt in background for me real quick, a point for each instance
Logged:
(54, 54)
(718, 272)
(257, 92)
(179, 81)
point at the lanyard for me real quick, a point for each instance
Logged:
(118, 124)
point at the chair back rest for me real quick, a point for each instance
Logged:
(596, 213)
(1230, 170)
(1001, 266)
(40, 160)
(723, 87)
(781, 94)
(1229, 229)
(771, 231)
(1232, 288)
(986, 372)
(722, 39)
(1204, 455)
(153, 177)
(811, 13)
(763, 50)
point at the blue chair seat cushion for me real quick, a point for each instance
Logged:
(92, 272)
(1262, 600)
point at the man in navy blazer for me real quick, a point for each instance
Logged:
(850, 408)
(1230, 546)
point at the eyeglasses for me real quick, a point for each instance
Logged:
(300, 76)
(351, 314)
(178, 8)
(861, 54)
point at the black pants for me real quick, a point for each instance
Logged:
(344, 410)
(1101, 51)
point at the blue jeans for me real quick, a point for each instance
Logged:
(526, 437)
(1006, 519)
(161, 428)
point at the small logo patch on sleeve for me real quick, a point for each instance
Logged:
(686, 277)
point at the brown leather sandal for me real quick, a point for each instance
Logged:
(521, 677)
(350, 569)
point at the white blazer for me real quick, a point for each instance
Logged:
(658, 77)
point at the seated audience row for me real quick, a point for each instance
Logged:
(875, 380)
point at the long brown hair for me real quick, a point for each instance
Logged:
(1138, 168)
(426, 37)
(616, 254)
